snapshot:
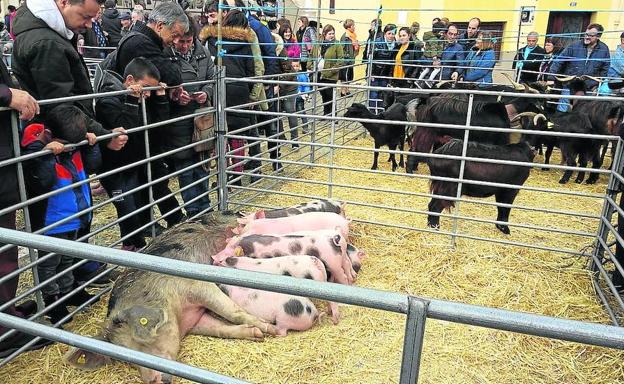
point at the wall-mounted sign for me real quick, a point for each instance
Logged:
(527, 14)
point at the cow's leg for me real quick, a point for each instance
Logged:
(583, 164)
(394, 163)
(375, 156)
(603, 153)
(596, 164)
(549, 151)
(436, 205)
(539, 149)
(570, 161)
(505, 196)
(401, 146)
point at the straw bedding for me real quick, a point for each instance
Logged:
(366, 346)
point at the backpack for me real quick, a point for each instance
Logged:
(109, 63)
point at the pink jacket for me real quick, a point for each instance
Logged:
(292, 49)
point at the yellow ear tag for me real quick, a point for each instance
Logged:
(238, 252)
(143, 321)
(82, 359)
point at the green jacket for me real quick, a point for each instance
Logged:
(334, 58)
(433, 45)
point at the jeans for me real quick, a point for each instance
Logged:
(300, 107)
(288, 105)
(564, 103)
(188, 177)
(54, 265)
(270, 129)
(120, 183)
(375, 101)
(161, 189)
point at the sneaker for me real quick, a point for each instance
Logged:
(129, 248)
(27, 308)
(103, 281)
(57, 313)
(17, 341)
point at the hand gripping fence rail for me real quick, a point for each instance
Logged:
(416, 309)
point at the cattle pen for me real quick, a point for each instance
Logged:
(460, 303)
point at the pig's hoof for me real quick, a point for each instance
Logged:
(256, 333)
(270, 329)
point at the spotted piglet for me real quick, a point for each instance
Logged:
(300, 266)
(329, 246)
(312, 221)
(356, 256)
(311, 206)
(287, 312)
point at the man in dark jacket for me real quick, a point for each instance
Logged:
(529, 58)
(27, 105)
(587, 57)
(111, 22)
(469, 38)
(452, 55)
(46, 61)
(48, 65)
(165, 23)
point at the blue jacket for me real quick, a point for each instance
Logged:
(452, 57)
(48, 173)
(573, 61)
(303, 79)
(483, 63)
(267, 45)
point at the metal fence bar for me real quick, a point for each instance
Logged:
(462, 167)
(221, 139)
(332, 141)
(116, 352)
(25, 210)
(413, 340)
(537, 325)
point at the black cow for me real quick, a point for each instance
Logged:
(453, 109)
(392, 135)
(488, 172)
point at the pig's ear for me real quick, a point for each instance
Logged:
(144, 321)
(337, 239)
(260, 214)
(86, 360)
(343, 205)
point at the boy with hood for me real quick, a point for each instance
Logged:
(66, 124)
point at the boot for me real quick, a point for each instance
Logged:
(79, 298)
(58, 312)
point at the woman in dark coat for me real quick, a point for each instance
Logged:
(407, 56)
(239, 62)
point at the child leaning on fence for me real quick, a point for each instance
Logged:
(65, 124)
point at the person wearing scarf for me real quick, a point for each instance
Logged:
(407, 54)
(351, 48)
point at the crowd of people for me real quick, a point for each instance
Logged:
(165, 48)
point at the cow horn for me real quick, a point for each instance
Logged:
(529, 89)
(538, 117)
(587, 77)
(441, 83)
(565, 79)
(517, 86)
(524, 114)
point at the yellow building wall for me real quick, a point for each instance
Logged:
(609, 13)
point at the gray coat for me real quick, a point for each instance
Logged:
(200, 67)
